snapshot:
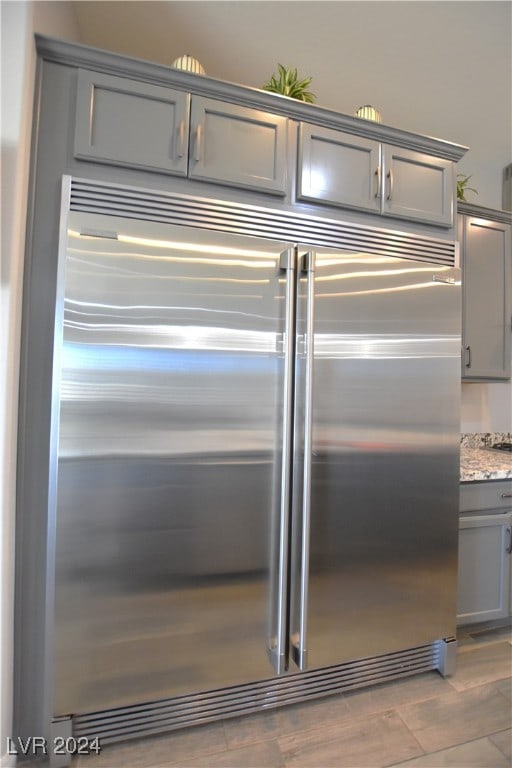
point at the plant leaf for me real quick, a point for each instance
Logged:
(287, 82)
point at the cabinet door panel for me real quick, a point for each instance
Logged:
(418, 186)
(484, 568)
(134, 124)
(338, 169)
(238, 146)
(486, 299)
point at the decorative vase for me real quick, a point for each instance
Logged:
(368, 112)
(189, 64)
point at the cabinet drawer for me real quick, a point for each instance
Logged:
(238, 146)
(496, 495)
(134, 124)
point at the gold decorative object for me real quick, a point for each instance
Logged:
(368, 112)
(189, 64)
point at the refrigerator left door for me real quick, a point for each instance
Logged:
(170, 423)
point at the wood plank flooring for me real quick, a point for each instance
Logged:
(420, 722)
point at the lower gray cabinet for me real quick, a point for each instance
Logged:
(484, 568)
(485, 545)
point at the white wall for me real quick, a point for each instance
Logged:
(486, 407)
(17, 75)
(19, 20)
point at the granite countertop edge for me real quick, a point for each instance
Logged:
(479, 463)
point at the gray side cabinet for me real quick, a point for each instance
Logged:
(485, 543)
(342, 170)
(486, 284)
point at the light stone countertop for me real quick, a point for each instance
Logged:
(484, 464)
(478, 462)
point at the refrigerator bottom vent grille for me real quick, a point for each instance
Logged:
(170, 714)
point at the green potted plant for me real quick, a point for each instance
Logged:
(462, 187)
(287, 83)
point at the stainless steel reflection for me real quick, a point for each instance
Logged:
(169, 462)
(278, 639)
(302, 515)
(385, 453)
(257, 460)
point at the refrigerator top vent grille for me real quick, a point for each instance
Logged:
(148, 205)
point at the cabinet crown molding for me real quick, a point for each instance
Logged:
(79, 55)
(470, 209)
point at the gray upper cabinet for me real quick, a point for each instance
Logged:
(239, 146)
(140, 125)
(130, 123)
(338, 169)
(486, 283)
(149, 118)
(417, 186)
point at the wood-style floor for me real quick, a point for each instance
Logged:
(425, 721)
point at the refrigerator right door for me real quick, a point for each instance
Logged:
(377, 571)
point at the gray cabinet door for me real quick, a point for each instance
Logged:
(484, 568)
(486, 272)
(238, 146)
(417, 186)
(130, 123)
(338, 169)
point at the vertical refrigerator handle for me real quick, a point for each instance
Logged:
(278, 642)
(299, 646)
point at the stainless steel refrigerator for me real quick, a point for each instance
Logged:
(255, 476)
